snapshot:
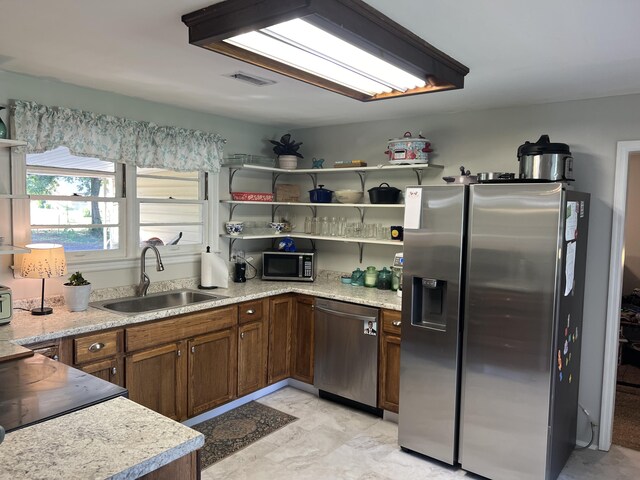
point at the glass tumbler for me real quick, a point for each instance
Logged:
(307, 224)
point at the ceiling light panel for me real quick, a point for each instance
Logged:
(344, 46)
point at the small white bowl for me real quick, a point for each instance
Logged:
(278, 227)
(234, 228)
(349, 196)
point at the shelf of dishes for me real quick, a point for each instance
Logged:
(314, 204)
(260, 168)
(314, 237)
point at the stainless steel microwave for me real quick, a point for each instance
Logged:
(289, 266)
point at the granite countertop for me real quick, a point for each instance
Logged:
(25, 328)
(117, 439)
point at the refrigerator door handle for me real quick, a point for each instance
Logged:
(428, 304)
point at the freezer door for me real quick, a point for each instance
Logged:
(430, 347)
(515, 241)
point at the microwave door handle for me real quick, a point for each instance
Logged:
(300, 269)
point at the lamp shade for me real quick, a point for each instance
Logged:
(46, 260)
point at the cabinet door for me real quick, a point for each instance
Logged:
(280, 316)
(212, 370)
(252, 357)
(390, 373)
(109, 370)
(155, 378)
(302, 340)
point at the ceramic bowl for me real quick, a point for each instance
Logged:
(349, 196)
(278, 227)
(234, 228)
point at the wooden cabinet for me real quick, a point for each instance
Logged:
(184, 468)
(302, 341)
(253, 346)
(389, 371)
(100, 354)
(194, 372)
(212, 371)
(155, 378)
(280, 322)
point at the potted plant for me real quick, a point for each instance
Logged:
(76, 293)
(287, 151)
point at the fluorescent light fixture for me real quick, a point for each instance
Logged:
(341, 45)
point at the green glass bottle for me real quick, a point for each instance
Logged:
(3, 127)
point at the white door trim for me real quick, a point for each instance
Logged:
(616, 270)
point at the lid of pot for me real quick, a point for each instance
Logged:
(542, 146)
(407, 137)
(384, 189)
(321, 189)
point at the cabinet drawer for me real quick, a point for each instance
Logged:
(95, 347)
(252, 311)
(391, 321)
(181, 327)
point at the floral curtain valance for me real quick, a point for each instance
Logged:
(116, 139)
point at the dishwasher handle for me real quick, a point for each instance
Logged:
(366, 318)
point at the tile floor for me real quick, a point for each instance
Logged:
(330, 441)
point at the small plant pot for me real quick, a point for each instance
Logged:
(77, 298)
(288, 162)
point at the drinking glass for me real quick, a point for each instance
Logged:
(333, 227)
(307, 224)
(342, 227)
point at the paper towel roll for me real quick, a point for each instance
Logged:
(213, 271)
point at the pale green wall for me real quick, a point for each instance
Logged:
(487, 141)
(242, 137)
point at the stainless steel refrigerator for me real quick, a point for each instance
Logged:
(491, 323)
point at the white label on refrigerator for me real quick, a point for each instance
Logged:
(412, 208)
(569, 268)
(571, 225)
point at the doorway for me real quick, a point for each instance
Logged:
(621, 375)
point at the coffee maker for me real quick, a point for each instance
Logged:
(396, 273)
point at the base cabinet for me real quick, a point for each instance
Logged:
(302, 341)
(212, 371)
(184, 468)
(389, 372)
(280, 323)
(155, 379)
(110, 370)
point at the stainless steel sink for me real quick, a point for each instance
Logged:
(156, 301)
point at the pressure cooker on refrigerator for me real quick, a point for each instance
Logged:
(544, 160)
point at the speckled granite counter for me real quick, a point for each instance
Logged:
(26, 328)
(117, 439)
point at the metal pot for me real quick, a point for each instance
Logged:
(408, 149)
(383, 194)
(544, 160)
(488, 176)
(465, 177)
(320, 195)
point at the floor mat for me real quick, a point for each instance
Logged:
(626, 420)
(238, 428)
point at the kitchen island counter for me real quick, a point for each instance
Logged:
(117, 439)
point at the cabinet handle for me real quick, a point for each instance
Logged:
(114, 371)
(251, 311)
(241, 335)
(179, 352)
(96, 347)
(193, 349)
(396, 323)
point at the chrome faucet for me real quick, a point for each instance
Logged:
(141, 289)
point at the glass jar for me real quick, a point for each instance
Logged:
(384, 279)
(357, 278)
(370, 277)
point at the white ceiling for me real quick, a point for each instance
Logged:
(519, 53)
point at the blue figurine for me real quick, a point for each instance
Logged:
(317, 162)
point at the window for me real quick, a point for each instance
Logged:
(74, 201)
(88, 205)
(171, 207)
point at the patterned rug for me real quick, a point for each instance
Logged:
(626, 420)
(237, 429)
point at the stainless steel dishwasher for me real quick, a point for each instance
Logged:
(346, 351)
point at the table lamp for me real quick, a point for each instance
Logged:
(46, 260)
